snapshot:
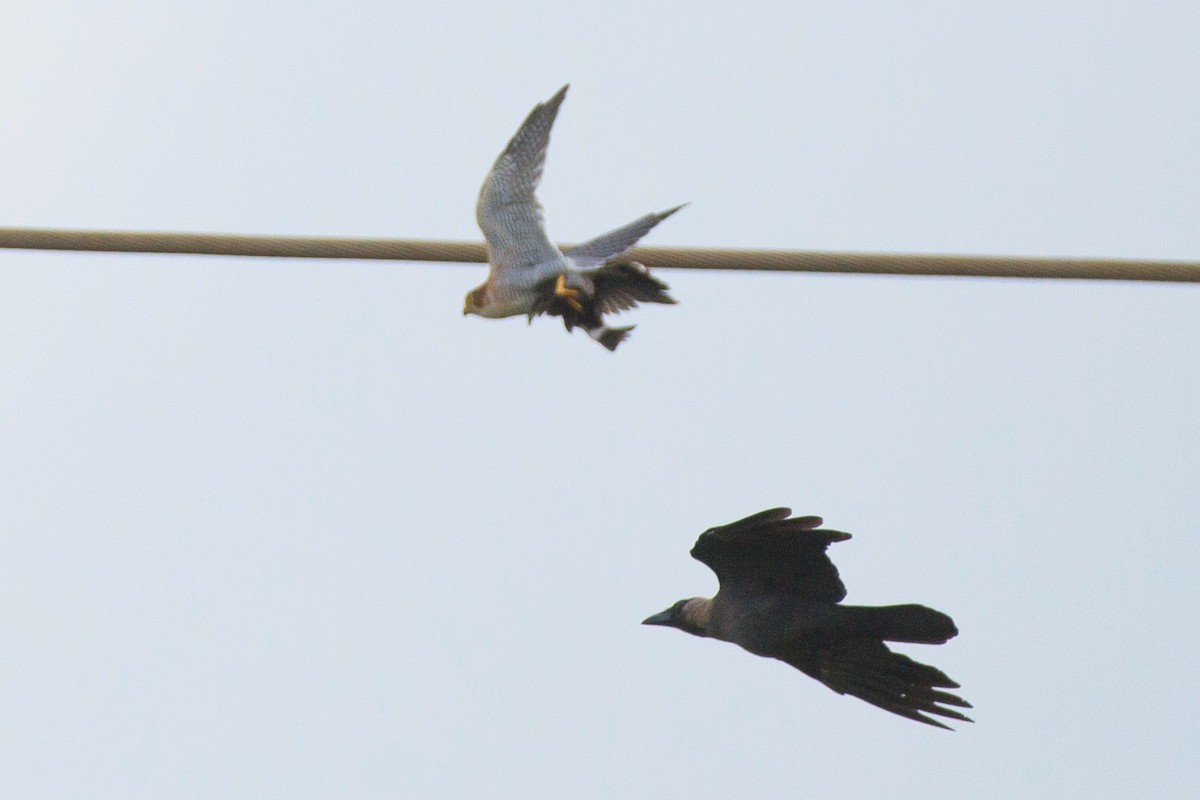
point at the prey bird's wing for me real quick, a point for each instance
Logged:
(771, 551)
(610, 246)
(508, 212)
(621, 286)
(615, 288)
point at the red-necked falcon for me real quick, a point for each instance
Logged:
(527, 272)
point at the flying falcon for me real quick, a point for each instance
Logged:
(528, 274)
(778, 598)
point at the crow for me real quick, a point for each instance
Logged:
(779, 598)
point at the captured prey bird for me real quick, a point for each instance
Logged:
(527, 272)
(779, 597)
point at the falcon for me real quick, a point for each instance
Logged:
(528, 274)
(779, 598)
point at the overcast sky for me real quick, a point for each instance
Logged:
(300, 529)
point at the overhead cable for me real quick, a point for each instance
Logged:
(656, 257)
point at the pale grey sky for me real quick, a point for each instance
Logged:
(290, 529)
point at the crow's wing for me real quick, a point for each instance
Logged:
(773, 552)
(870, 671)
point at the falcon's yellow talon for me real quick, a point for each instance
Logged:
(562, 290)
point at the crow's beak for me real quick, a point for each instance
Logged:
(661, 618)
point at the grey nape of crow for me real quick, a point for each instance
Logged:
(779, 597)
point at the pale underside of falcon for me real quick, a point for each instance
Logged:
(528, 274)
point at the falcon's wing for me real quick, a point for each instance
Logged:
(612, 245)
(870, 671)
(768, 552)
(508, 213)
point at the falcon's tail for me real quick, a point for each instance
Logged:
(609, 337)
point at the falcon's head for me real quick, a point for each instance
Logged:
(474, 301)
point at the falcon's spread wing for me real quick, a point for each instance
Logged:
(610, 246)
(870, 671)
(508, 212)
(768, 552)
